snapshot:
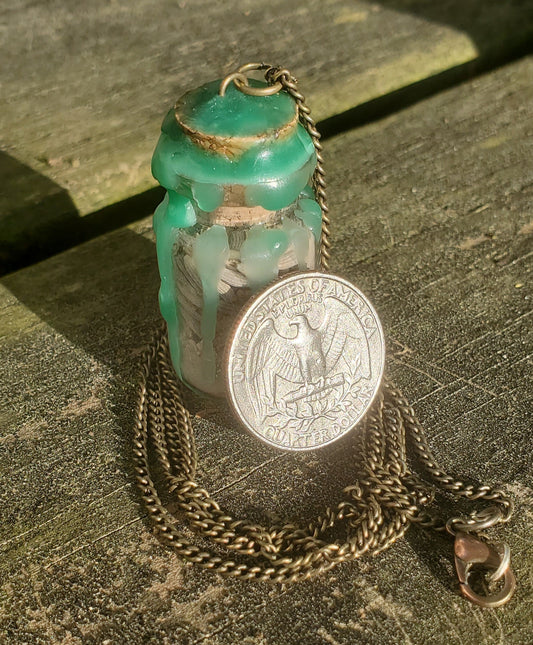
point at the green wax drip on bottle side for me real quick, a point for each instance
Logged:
(283, 163)
(260, 254)
(173, 213)
(307, 192)
(274, 195)
(210, 254)
(207, 196)
(300, 237)
(311, 215)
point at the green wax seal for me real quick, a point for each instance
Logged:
(254, 141)
(235, 115)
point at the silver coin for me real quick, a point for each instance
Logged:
(305, 361)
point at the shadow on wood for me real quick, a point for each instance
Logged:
(39, 218)
(37, 215)
(506, 22)
(46, 220)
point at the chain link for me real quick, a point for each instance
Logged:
(372, 514)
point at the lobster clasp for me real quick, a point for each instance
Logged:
(470, 551)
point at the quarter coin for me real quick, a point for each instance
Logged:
(305, 361)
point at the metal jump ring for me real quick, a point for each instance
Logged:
(235, 77)
(258, 91)
(240, 80)
(253, 67)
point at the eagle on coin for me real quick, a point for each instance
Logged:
(306, 373)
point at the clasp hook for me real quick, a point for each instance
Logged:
(470, 551)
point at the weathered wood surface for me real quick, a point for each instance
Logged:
(432, 212)
(84, 91)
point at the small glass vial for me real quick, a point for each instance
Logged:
(238, 214)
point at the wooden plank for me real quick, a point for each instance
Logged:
(446, 265)
(84, 92)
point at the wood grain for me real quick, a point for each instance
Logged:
(84, 91)
(432, 211)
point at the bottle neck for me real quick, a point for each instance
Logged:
(235, 212)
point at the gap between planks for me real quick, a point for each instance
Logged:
(120, 214)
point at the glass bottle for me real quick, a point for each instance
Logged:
(239, 212)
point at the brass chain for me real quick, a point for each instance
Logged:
(289, 84)
(372, 514)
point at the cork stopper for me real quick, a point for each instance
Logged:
(234, 212)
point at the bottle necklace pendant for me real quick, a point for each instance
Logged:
(302, 361)
(254, 315)
(239, 213)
